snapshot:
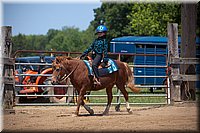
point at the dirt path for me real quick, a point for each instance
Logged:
(180, 117)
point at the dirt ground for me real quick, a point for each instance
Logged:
(181, 117)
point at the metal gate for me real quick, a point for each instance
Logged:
(117, 96)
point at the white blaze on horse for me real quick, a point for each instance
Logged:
(75, 69)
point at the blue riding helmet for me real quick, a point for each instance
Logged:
(101, 28)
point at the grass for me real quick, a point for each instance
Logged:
(198, 96)
(131, 99)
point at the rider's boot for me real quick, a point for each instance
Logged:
(96, 81)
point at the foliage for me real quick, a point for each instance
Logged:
(152, 18)
(68, 39)
(87, 37)
(19, 42)
(114, 16)
(31, 42)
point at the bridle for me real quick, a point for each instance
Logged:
(65, 76)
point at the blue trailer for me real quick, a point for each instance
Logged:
(145, 45)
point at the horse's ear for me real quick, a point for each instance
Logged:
(58, 59)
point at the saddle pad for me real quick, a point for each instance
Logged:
(103, 71)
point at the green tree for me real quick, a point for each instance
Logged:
(51, 34)
(68, 39)
(56, 43)
(152, 18)
(19, 42)
(36, 42)
(72, 39)
(28, 42)
(87, 37)
(115, 17)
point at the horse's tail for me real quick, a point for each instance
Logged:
(130, 79)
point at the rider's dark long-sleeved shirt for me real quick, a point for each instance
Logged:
(99, 46)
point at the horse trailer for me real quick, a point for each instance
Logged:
(148, 50)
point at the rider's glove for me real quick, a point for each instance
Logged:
(83, 55)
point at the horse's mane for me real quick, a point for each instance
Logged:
(59, 59)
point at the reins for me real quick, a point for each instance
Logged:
(66, 76)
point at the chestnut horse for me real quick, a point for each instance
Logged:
(77, 71)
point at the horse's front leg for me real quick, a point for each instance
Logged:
(80, 100)
(91, 111)
(110, 97)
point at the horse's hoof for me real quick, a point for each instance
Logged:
(91, 112)
(74, 115)
(130, 111)
(117, 108)
(105, 114)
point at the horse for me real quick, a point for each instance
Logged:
(67, 67)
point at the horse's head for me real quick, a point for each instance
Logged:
(59, 72)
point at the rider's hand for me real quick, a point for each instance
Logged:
(83, 55)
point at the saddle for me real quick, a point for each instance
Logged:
(106, 67)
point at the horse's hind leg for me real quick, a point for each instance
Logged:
(110, 97)
(121, 87)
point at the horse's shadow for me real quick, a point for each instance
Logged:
(101, 114)
(83, 115)
(94, 115)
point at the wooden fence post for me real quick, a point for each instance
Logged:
(7, 70)
(173, 52)
(188, 48)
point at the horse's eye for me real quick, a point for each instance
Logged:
(57, 69)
